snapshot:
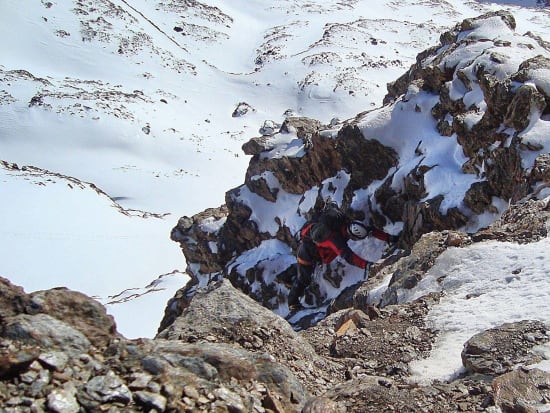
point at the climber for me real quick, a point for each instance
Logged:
(321, 241)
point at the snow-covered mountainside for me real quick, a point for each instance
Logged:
(118, 117)
(464, 134)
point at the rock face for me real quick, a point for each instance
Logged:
(47, 362)
(230, 317)
(486, 100)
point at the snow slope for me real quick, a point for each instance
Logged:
(486, 285)
(136, 99)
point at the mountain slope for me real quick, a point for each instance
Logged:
(457, 143)
(137, 98)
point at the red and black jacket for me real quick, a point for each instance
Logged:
(327, 250)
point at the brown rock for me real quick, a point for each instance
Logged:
(522, 390)
(78, 310)
(13, 299)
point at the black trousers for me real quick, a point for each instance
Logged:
(304, 275)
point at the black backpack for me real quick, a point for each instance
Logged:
(331, 216)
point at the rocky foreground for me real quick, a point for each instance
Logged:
(60, 351)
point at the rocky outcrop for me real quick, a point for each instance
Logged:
(487, 102)
(522, 390)
(23, 313)
(523, 223)
(53, 363)
(407, 272)
(227, 353)
(228, 316)
(492, 153)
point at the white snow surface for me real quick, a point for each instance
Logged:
(485, 285)
(131, 135)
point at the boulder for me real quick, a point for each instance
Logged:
(13, 299)
(45, 331)
(501, 349)
(78, 310)
(222, 314)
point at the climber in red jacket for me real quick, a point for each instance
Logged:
(324, 239)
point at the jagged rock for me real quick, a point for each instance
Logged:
(424, 217)
(260, 186)
(431, 77)
(54, 360)
(479, 197)
(367, 158)
(150, 400)
(526, 100)
(256, 146)
(522, 391)
(408, 271)
(63, 401)
(269, 128)
(108, 388)
(541, 170)
(13, 299)
(90, 317)
(484, 103)
(523, 223)
(242, 109)
(505, 104)
(196, 236)
(507, 178)
(526, 69)
(87, 315)
(222, 314)
(240, 233)
(303, 127)
(500, 350)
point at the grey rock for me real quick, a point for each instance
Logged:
(242, 109)
(63, 401)
(46, 331)
(77, 309)
(140, 381)
(255, 146)
(499, 350)
(108, 388)
(56, 360)
(409, 270)
(151, 400)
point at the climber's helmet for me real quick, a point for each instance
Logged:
(357, 230)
